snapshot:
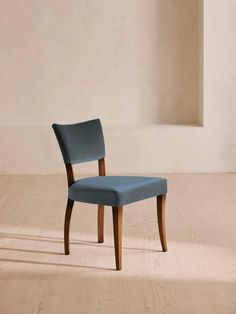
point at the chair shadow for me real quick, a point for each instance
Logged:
(27, 237)
(30, 251)
(52, 264)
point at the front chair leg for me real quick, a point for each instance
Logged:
(161, 203)
(100, 223)
(69, 208)
(117, 226)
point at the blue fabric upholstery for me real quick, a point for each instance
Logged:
(116, 190)
(80, 142)
(83, 142)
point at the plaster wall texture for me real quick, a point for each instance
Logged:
(135, 64)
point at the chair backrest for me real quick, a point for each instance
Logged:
(80, 142)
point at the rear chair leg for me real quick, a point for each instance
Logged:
(161, 204)
(69, 208)
(100, 223)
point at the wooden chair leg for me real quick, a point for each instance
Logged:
(117, 226)
(69, 208)
(100, 223)
(161, 203)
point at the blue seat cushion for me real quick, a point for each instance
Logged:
(116, 190)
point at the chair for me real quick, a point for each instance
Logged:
(82, 142)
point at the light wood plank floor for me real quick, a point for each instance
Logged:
(196, 275)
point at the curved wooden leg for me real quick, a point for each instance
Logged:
(100, 223)
(69, 208)
(117, 226)
(161, 203)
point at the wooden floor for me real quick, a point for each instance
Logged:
(196, 275)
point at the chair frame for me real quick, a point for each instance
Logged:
(117, 218)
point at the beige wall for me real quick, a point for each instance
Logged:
(134, 64)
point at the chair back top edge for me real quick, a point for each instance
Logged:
(80, 142)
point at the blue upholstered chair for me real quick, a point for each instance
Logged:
(83, 142)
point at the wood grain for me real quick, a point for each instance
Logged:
(117, 227)
(197, 275)
(69, 208)
(70, 174)
(161, 207)
(100, 218)
(101, 167)
(100, 223)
